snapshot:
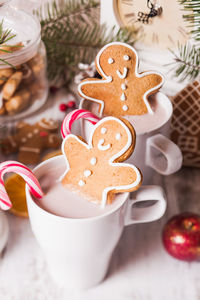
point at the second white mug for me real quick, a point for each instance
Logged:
(154, 151)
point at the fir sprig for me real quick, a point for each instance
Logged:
(187, 60)
(5, 36)
(72, 34)
(192, 16)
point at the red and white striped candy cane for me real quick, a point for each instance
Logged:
(74, 116)
(28, 176)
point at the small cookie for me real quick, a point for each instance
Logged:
(122, 90)
(30, 140)
(94, 169)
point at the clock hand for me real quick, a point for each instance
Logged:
(154, 11)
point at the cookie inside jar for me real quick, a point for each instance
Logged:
(23, 82)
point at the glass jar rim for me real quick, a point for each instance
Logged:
(25, 53)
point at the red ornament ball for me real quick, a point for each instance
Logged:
(181, 237)
(63, 107)
(71, 104)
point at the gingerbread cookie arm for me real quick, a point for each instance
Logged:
(72, 148)
(91, 89)
(152, 82)
(52, 141)
(9, 145)
(125, 178)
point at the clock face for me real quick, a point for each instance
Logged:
(162, 28)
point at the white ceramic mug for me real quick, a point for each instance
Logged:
(154, 151)
(78, 251)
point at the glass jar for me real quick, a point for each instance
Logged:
(23, 82)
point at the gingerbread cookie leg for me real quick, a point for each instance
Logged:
(29, 155)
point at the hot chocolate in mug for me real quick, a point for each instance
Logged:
(78, 247)
(154, 151)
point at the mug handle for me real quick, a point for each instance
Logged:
(163, 155)
(146, 213)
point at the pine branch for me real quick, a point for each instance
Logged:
(192, 16)
(187, 61)
(71, 34)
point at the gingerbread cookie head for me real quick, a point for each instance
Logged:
(95, 169)
(111, 137)
(48, 125)
(122, 90)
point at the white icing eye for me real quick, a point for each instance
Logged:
(87, 173)
(118, 136)
(103, 130)
(81, 183)
(125, 107)
(110, 61)
(93, 161)
(126, 57)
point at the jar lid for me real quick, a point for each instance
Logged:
(26, 29)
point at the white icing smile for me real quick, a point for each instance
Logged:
(103, 147)
(122, 75)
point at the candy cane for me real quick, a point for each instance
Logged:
(28, 176)
(74, 116)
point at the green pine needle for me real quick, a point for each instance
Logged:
(71, 34)
(5, 35)
(187, 61)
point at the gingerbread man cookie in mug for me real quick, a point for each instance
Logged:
(122, 90)
(95, 169)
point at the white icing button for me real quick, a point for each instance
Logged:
(24, 140)
(125, 107)
(81, 183)
(103, 130)
(110, 61)
(87, 173)
(123, 86)
(93, 161)
(123, 97)
(30, 135)
(36, 130)
(126, 57)
(118, 136)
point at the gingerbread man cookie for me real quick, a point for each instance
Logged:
(30, 140)
(95, 169)
(122, 90)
